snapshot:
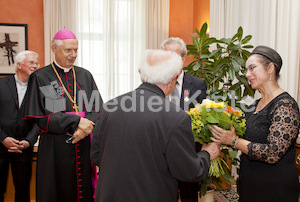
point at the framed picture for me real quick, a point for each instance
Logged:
(13, 39)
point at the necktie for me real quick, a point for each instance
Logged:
(175, 97)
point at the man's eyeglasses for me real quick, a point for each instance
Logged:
(33, 63)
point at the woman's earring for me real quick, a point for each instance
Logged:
(270, 79)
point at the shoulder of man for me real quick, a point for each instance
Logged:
(42, 69)
(5, 78)
(81, 70)
(194, 78)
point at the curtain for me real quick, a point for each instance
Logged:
(112, 35)
(58, 14)
(157, 21)
(274, 23)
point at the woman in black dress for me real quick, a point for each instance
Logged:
(267, 170)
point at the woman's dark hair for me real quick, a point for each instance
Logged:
(265, 61)
(269, 55)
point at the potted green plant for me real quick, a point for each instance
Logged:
(221, 63)
(223, 67)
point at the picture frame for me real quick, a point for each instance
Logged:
(13, 39)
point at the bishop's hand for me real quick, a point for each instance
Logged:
(85, 127)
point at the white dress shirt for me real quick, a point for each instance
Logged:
(21, 89)
(179, 85)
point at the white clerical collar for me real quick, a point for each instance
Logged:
(63, 68)
(19, 82)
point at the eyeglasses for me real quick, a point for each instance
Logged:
(70, 139)
(250, 69)
(31, 62)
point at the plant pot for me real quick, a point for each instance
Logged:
(208, 197)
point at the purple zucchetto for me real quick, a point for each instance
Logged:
(64, 34)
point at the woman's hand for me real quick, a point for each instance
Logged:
(222, 136)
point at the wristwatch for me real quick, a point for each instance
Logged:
(234, 141)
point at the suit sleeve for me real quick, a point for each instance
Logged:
(203, 88)
(50, 122)
(3, 135)
(93, 112)
(184, 163)
(32, 135)
(97, 138)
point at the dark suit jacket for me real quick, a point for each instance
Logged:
(192, 87)
(11, 122)
(143, 151)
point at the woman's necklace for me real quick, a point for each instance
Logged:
(75, 107)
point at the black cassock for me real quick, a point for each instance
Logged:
(63, 169)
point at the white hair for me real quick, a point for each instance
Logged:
(172, 40)
(20, 57)
(57, 42)
(159, 66)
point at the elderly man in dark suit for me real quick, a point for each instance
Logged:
(142, 143)
(17, 136)
(189, 91)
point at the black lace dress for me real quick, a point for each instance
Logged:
(268, 172)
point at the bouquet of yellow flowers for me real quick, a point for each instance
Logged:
(210, 113)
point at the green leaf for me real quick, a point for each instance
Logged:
(239, 60)
(225, 121)
(236, 66)
(203, 188)
(240, 33)
(197, 31)
(235, 37)
(248, 46)
(203, 56)
(213, 118)
(246, 39)
(209, 41)
(232, 153)
(228, 179)
(190, 47)
(203, 30)
(213, 53)
(231, 74)
(220, 67)
(226, 41)
(246, 84)
(203, 111)
(196, 67)
(195, 42)
(206, 134)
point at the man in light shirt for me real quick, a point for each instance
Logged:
(17, 136)
(190, 90)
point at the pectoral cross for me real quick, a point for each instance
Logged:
(75, 107)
